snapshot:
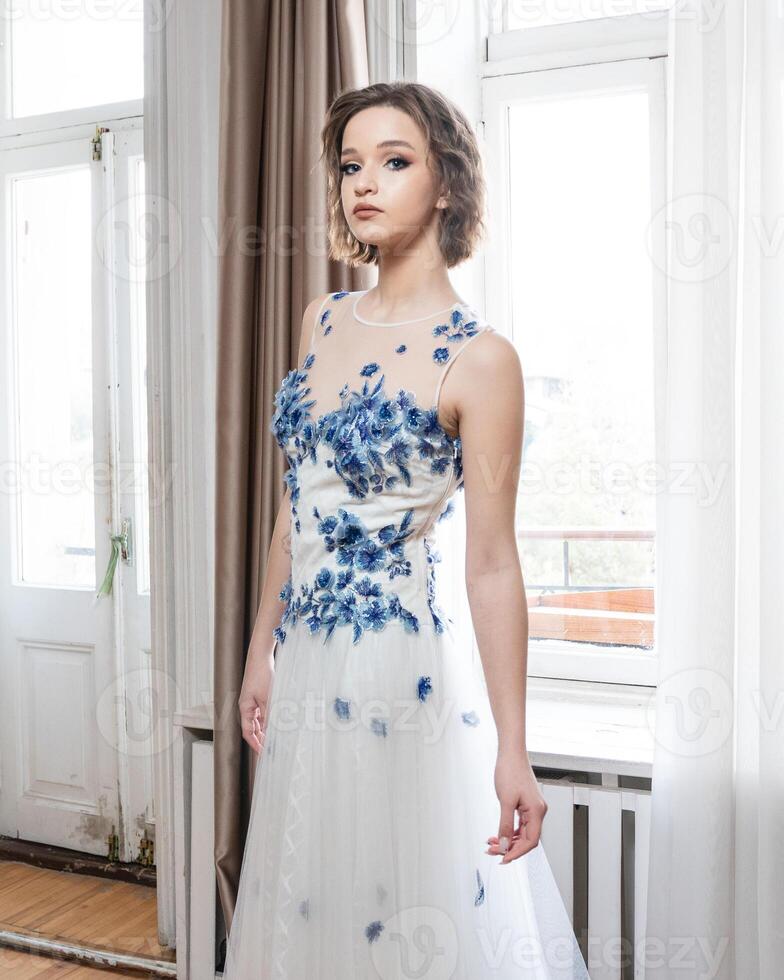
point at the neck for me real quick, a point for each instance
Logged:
(407, 284)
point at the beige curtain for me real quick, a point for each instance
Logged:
(282, 62)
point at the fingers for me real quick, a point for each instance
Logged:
(520, 841)
(528, 838)
(506, 827)
(521, 846)
(253, 729)
(253, 735)
(495, 845)
(533, 825)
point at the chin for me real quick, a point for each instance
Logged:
(369, 235)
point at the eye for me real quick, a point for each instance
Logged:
(344, 169)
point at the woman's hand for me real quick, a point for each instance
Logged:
(254, 698)
(518, 792)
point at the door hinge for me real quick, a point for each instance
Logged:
(126, 545)
(113, 841)
(146, 851)
(96, 141)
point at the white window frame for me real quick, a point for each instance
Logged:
(533, 62)
(62, 124)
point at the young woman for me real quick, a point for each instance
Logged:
(384, 763)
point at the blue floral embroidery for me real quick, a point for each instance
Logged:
(291, 412)
(374, 439)
(344, 597)
(326, 314)
(456, 329)
(459, 464)
(424, 688)
(374, 930)
(304, 908)
(291, 424)
(480, 895)
(470, 718)
(342, 708)
(348, 536)
(378, 726)
(433, 556)
(285, 595)
(401, 349)
(447, 511)
(372, 432)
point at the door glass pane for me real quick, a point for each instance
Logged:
(53, 378)
(525, 13)
(582, 313)
(92, 53)
(138, 219)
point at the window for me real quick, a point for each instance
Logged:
(51, 235)
(94, 52)
(576, 171)
(525, 13)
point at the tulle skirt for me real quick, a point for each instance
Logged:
(372, 804)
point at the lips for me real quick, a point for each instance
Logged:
(366, 209)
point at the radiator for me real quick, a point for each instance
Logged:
(596, 839)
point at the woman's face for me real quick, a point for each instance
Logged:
(383, 166)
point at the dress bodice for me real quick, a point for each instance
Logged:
(371, 469)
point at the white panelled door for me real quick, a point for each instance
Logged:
(76, 702)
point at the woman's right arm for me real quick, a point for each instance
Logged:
(260, 662)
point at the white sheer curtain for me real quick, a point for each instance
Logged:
(717, 839)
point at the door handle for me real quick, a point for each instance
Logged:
(121, 549)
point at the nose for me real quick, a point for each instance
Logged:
(365, 182)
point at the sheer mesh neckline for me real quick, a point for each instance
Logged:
(400, 323)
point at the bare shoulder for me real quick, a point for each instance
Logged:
(490, 364)
(308, 323)
(311, 311)
(490, 354)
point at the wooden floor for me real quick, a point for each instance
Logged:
(115, 915)
(21, 966)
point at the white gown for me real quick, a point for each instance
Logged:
(373, 800)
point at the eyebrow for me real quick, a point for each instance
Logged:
(379, 146)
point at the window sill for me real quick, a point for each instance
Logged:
(589, 727)
(599, 728)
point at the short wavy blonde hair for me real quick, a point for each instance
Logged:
(452, 145)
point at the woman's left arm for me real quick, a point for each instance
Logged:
(489, 402)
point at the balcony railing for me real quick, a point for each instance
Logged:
(609, 615)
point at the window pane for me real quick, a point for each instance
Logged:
(53, 326)
(525, 13)
(92, 53)
(138, 245)
(582, 312)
